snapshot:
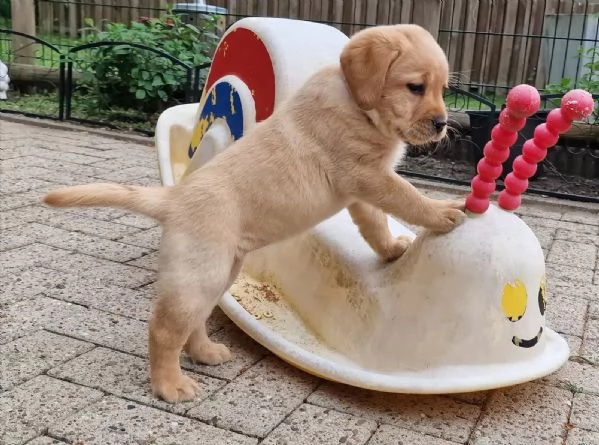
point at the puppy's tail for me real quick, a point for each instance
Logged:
(149, 201)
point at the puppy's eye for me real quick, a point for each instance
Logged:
(416, 88)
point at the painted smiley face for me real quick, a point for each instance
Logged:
(514, 302)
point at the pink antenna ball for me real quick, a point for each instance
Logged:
(523, 101)
(577, 105)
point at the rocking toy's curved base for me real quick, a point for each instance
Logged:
(304, 351)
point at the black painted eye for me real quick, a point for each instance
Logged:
(416, 88)
(542, 301)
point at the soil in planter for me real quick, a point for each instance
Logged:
(552, 180)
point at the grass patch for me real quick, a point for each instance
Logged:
(47, 105)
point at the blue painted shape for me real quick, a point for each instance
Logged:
(223, 101)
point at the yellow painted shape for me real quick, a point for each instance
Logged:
(514, 300)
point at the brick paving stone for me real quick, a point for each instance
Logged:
(594, 310)
(245, 352)
(23, 284)
(126, 376)
(16, 200)
(68, 240)
(15, 237)
(68, 220)
(576, 376)
(312, 425)
(101, 213)
(23, 317)
(388, 434)
(218, 320)
(591, 331)
(107, 271)
(590, 351)
(22, 185)
(26, 162)
(560, 274)
(573, 254)
(62, 179)
(270, 390)
(579, 436)
(566, 315)
(105, 297)
(585, 291)
(97, 247)
(147, 238)
(531, 414)
(15, 169)
(74, 158)
(134, 220)
(574, 343)
(113, 331)
(30, 255)
(576, 237)
(28, 410)
(545, 236)
(45, 440)
(128, 174)
(533, 221)
(144, 182)
(584, 412)
(121, 163)
(549, 212)
(475, 398)
(149, 261)
(434, 415)
(29, 356)
(114, 421)
(578, 216)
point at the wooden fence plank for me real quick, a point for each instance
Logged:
(469, 41)
(506, 51)
(481, 57)
(23, 20)
(480, 44)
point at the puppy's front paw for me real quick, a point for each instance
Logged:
(449, 214)
(175, 388)
(397, 248)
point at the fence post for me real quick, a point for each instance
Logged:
(427, 13)
(23, 20)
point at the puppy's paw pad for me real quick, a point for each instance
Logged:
(211, 354)
(176, 389)
(398, 248)
(450, 214)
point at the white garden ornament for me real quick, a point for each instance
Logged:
(4, 81)
(458, 312)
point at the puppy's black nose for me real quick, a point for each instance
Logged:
(439, 123)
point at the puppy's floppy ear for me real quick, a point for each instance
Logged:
(365, 61)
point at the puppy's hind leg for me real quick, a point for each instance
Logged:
(192, 280)
(199, 347)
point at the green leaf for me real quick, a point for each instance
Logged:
(140, 94)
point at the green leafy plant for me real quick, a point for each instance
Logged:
(589, 81)
(121, 76)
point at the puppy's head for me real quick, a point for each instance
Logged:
(397, 74)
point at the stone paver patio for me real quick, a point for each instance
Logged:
(75, 294)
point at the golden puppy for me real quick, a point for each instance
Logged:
(330, 146)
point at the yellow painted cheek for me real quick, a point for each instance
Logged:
(514, 300)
